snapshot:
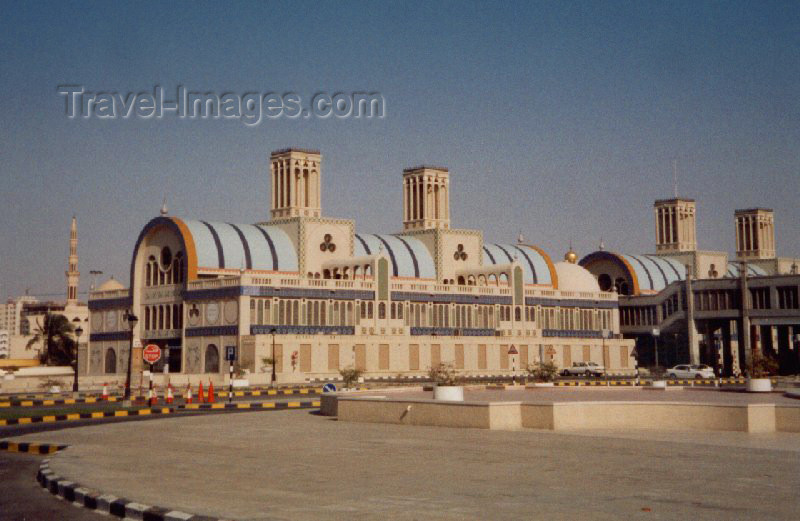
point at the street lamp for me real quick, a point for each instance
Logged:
(272, 332)
(656, 332)
(78, 333)
(132, 320)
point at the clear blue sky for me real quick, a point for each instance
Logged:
(557, 119)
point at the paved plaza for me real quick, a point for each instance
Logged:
(296, 465)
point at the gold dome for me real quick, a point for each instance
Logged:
(571, 257)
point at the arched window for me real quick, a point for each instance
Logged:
(326, 274)
(382, 310)
(370, 310)
(355, 272)
(167, 317)
(461, 280)
(517, 314)
(493, 279)
(111, 361)
(323, 313)
(147, 318)
(212, 359)
(400, 306)
(148, 274)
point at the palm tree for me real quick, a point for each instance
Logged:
(55, 335)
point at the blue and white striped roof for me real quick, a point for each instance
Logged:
(410, 258)
(648, 273)
(535, 264)
(237, 246)
(654, 272)
(752, 271)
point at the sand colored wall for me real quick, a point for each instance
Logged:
(663, 416)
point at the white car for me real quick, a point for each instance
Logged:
(691, 371)
(584, 369)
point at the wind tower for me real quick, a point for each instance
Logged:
(426, 198)
(296, 183)
(676, 225)
(72, 273)
(755, 233)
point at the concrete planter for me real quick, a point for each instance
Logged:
(448, 393)
(54, 389)
(659, 384)
(541, 384)
(759, 385)
(238, 383)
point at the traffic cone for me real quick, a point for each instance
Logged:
(210, 391)
(154, 396)
(188, 396)
(104, 396)
(169, 394)
(200, 397)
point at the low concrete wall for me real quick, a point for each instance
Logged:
(478, 415)
(663, 416)
(787, 419)
(635, 415)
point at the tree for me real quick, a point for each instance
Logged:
(54, 334)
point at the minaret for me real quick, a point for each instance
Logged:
(73, 276)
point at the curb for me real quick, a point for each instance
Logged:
(85, 416)
(106, 503)
(31, 448)
(65, 401)
(257, 405)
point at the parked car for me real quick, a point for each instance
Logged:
(584, 368)
(690, 371)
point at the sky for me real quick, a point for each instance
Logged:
(557, 120)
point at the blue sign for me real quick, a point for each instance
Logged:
(230, 353)
(329, 388)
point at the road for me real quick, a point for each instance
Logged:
(23, 499)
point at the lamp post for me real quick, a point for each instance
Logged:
(272, 380)
(604, 334)
(656, 332)
(78, 333)
(126, 398)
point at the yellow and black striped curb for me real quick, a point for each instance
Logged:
(106, 503)
(670, 381)
(85, 416)
(32, 448)
(23, 400)
(308, 404)
(65, 401)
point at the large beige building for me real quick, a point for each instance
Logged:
(317, 296)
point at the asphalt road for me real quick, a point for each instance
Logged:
(22, 499)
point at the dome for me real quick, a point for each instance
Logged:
(572, 277)
(110, 285)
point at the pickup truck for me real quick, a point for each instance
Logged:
(584, 369)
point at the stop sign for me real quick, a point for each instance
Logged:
(151, 353)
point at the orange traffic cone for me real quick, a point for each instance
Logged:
(104, 396)
(188, 396)
(153, 396)
(169, 394)
(210, 391)
(200, 397)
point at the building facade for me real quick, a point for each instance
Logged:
(700, 306)
(311, 294)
